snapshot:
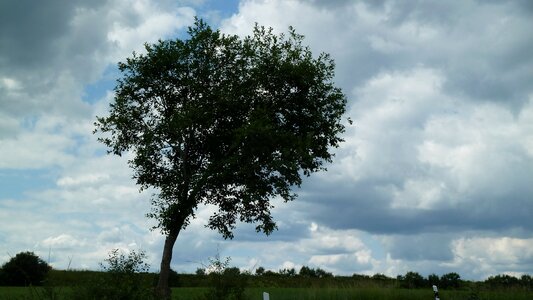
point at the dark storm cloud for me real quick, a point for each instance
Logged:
(366, 206)
(420, 247)
(287, 229)
(49, 50)
(483, 47)
(45, 55)
(30, 30)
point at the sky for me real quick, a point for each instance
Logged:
(435, 174)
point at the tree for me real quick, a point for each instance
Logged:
(222, 120)
(433, 279)
(322, 273)
(450, 280)
(305, 271)
(411, 280)
(25, 269)
(260, 271)
(287, 272)
(502, 281)
(526, 281)
(200, 271)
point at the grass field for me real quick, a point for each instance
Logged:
(373, 293)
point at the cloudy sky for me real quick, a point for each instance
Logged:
(435, 175)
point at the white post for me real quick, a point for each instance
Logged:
(266, 296)
(436, 292)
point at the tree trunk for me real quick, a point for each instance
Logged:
(162, 289)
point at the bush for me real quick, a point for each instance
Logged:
(433, 279)
(24, 269)
(121, 279)
(450, 280)
(314, 273)
(502, 281)
(412, 280)
(227, 282)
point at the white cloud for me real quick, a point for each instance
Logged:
(32, 150)
(390, 113)
(63, 241)
(83, 179)
(418, 193)
(10, 84)
(156, 22)
(324, 239)
(525, 123)
(488, 256)
(481, 149)
(433, 177)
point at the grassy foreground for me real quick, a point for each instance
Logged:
(361, 293)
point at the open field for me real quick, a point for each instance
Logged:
(72, 284)
(372, 293)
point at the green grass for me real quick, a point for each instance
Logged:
(191, 293)
(363, 293)
(313, 293)
(7, 292)
(35, 293)
(339, 293)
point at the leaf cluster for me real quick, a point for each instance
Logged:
(225, 121)
(24, 269)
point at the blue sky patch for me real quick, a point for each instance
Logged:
(17, 183)
(95, 91)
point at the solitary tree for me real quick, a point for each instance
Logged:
(24, 269)
(222, 120)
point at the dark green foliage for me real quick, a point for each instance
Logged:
(314, 273)
(121, 279)
(174, 278)
(360, 277)
(270, 273)
(504, 281)
(226, 282)
(322, 274)
(311, 293)
(281, 287)
(305, 271)
(200, 271)
(288, 272)
(526, 281)
(24, 269)
(259, 271)
(412, 280)
(433, 279)
(450, 281)
(226, 121)
(381, 277)
(223, 120)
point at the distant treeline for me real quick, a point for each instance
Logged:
(26, 268)
(310, 277)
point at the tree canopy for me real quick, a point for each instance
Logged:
(223, 120)
(24, 269)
